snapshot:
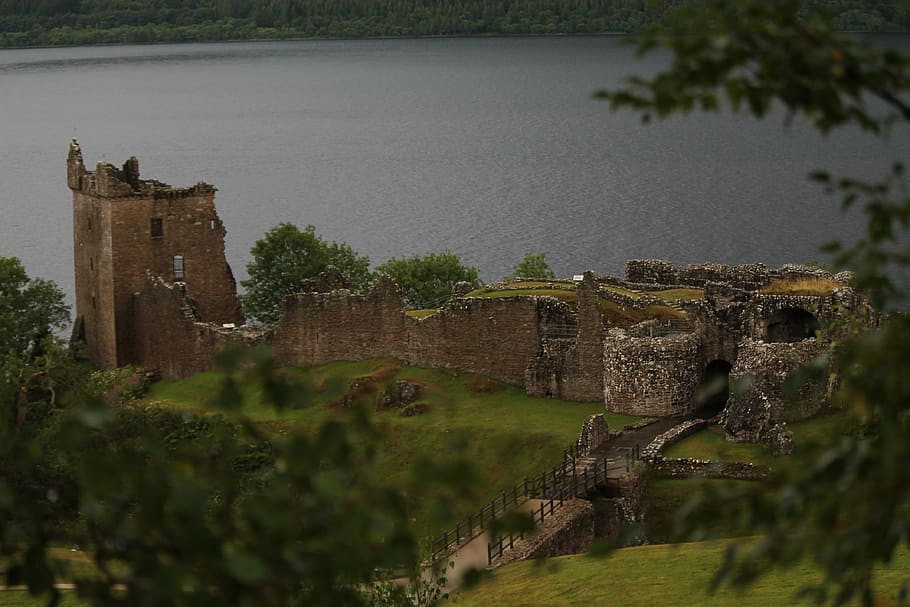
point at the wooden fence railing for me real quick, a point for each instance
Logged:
(554, 486)
(567, 486)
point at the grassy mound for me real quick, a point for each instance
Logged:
(507, 434)
(804, 286)
(614, 314)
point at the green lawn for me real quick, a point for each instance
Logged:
(808, 434)
(711, 444)
(507, 434)
(649, 576)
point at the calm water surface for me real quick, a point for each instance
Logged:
(489, 147)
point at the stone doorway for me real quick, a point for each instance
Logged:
(714, 390)
(790, 325)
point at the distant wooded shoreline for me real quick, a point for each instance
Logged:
(52, 23)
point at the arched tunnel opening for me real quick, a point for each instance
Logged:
(712, 394)
(790, 325)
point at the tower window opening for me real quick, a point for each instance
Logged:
(179, 272)
(157, 227)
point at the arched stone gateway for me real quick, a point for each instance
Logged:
(714, 390)
(790, 325)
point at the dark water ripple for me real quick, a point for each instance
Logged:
(489, 147)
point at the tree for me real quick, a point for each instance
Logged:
(534, 266)
(849, 508)
(285, 258)
(427, 282)
(31, 309)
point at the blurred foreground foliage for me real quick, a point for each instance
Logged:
(173, 508)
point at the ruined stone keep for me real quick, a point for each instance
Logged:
(125, 227)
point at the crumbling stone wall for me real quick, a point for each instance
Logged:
(751, 277)
(763, 368)
(841, 306)
(651, 271)
(571, 368)
(583, 377)
(594, 432)
(123, 227)
(651, 376)
(545, 375)
(170, 336)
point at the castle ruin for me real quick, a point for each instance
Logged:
(153, 288)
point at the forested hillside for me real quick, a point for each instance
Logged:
(50, 22)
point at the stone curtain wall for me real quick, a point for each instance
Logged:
(545, 375)
(317, 328)
(497, 337)
(171, 338)
(651, 376)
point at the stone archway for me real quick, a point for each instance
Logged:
(714, 390)
(790, 325)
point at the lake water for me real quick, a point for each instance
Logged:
(489, 147)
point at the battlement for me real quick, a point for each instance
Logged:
(108, 181)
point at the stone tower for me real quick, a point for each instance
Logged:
(124, 228)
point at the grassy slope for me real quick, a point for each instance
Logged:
(509, 435)
(649, 576)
